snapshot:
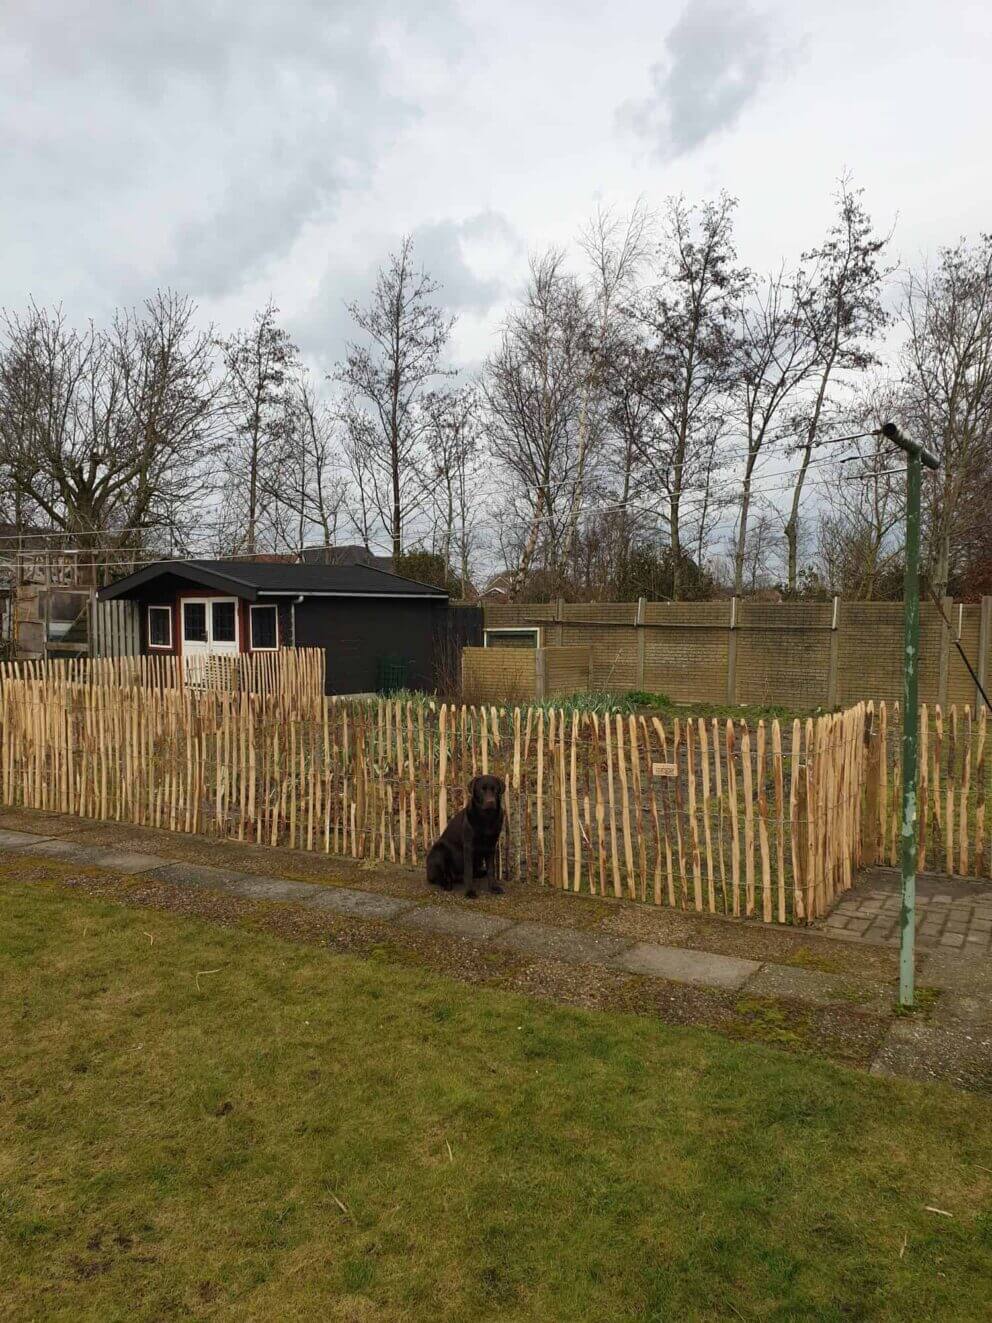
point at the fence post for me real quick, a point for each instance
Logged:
(834, 651)
(559, 618)
(944, 669)
(540, 673)
(92, 628)
(873, 772)
(732, 653)
(641, 641)
(984, 624)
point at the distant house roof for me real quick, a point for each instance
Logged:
(352, 554)
(251, 579)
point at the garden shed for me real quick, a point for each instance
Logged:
(378, 630)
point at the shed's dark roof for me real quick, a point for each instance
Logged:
(252, 578)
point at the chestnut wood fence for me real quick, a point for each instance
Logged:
(768, 820)
(757, 820)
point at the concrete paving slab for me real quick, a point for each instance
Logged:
(271, 888)
(965, 985)
(925, 1051)
(454, 921)
(122, 861)
(358, 904)
(58, 849)
(578, 948)
(197, 875)
(820, 989)
(701, 968)
(18, 839)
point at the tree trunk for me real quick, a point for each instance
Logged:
(576, 503)
(792, 527)
(252, 497)
(742, 538)
(742, 527)
(674, 503)
(530, 546)
(942, 568)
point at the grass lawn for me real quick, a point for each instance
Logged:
(204, 1122)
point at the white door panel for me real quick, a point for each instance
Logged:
(210, 628)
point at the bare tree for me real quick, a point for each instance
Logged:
(108, 435)
(309, 485)
(359, 456)
(454, 474)
(859, 546)
(759, 554)
(838, 296)
(948, 372)
(386, 378)
(628, 431)
(685, 330)
(533, 386)
(258, 362)
(616, 247)
(774, 356)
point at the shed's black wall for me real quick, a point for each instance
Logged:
(461, 626)
(358, 634)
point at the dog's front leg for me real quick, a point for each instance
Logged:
(468, 860)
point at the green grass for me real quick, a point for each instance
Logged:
(208, 1122)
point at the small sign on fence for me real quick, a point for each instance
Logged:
(664, 769)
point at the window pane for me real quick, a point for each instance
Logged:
(223, 622)
(498, 638)
(158, 626)
(195, 622)
(263, 627)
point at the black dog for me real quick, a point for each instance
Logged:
(466, 848)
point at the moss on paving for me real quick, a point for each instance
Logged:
(204, 1121)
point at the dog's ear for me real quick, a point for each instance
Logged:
(500, 788)
(473, 785)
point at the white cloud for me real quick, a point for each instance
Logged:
(247, 149)
(189, 143)
(717, 58)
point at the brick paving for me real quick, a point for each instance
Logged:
(952, 914)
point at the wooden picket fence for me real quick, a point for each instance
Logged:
(703, 815)
(952, 790)
(294, 677)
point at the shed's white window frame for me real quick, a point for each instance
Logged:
(262, 606)
(161, 647)
(536, 630)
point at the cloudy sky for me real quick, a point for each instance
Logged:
(242, 149)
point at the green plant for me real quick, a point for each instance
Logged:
(592, 701)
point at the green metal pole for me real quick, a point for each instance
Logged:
(910, 729)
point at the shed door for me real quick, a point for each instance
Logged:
(210, 628)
